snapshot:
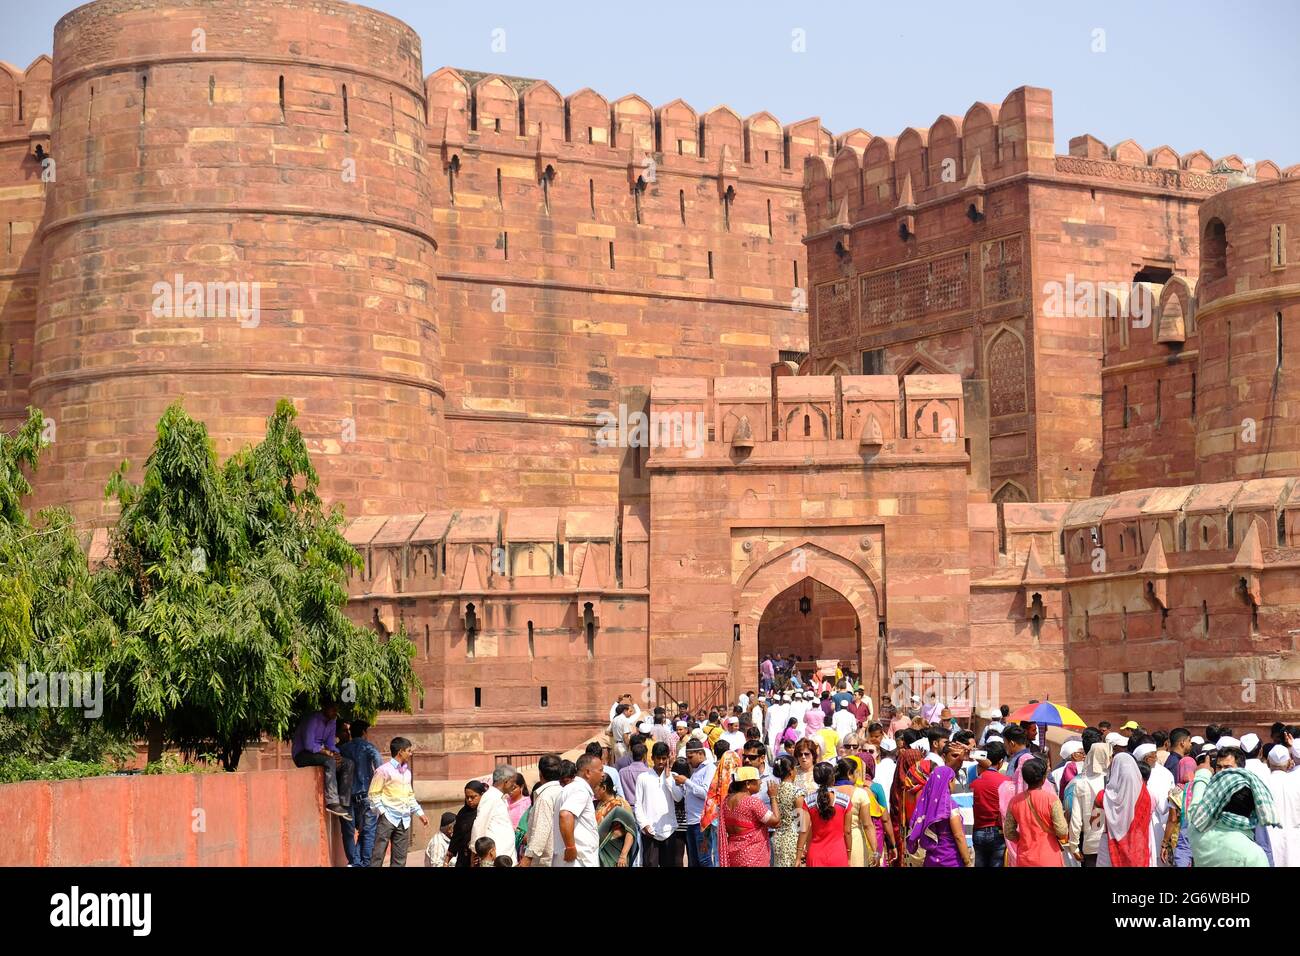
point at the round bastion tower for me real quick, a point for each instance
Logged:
(1248, 318)
(241, 212)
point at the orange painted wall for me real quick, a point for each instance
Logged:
(262, 818)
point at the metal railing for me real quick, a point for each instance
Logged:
(700, 693)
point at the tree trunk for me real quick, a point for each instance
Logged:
(155, 739)
(230, 755)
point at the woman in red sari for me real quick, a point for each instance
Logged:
(1126, 807)
(909, 780)
(746, 819)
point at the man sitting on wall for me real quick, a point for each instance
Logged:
(313, 746)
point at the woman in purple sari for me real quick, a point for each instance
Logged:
(937, 825)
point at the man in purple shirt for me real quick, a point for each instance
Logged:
(314, 745)
(627, 776)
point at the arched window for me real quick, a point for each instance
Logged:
(1214, 250)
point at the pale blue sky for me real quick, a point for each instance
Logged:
(1218, 76)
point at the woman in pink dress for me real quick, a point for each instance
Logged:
(517, 800)
(747, 819)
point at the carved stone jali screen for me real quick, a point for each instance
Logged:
(916, 290)
(835, 311)
(1006, 373)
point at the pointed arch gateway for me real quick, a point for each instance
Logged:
(852, 579)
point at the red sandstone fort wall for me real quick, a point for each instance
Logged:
(24, 125)
(587, 246)
(278, 149)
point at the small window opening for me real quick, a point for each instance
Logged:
(1278, 320)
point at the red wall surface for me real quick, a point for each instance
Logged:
(260, 818)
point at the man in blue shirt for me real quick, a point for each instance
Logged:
(697, 791)
(359, 829)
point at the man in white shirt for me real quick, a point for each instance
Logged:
(777, 716)
(744, 701)
(734, 738)
(843, 723)
(1285, 787)
(657, 793)
(623, 726)
(577, 839)
(493, 817)
(541, 819)
(799, 707)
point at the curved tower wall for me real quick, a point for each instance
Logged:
(273, 152)
(1248, 399)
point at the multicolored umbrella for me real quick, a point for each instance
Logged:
(1047, 714)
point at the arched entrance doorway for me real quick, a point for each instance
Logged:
(806, 564)
(811, 621)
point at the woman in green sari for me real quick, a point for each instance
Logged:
(1234, 803)
(615, 826)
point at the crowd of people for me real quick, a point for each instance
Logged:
(816, 777)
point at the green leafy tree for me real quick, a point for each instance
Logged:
(227, 585)
(50, 619)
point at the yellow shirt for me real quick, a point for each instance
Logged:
(830, 740)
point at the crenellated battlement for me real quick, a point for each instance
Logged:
(874, 175)
(740, 418)
(871, 175)
(25, 98)
(1196, 171)
(516, 114)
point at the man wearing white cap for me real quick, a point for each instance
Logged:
(1285, 787)
(1159, 785)
(994, 726)
(843, 723)
(1250, 747)
(798, 707)
(732, 735)
(1071, 751)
